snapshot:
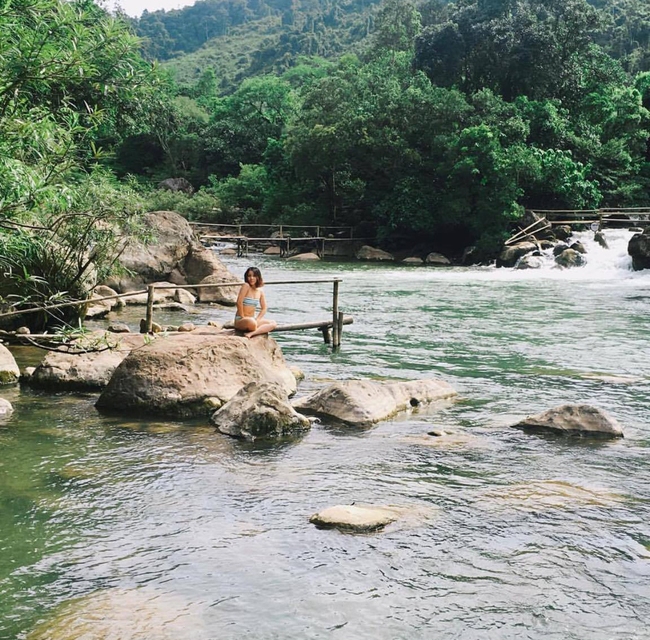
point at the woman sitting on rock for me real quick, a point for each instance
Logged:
(250, 299)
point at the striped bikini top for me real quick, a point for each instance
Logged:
(251, 302)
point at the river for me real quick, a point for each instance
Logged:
(115, 529)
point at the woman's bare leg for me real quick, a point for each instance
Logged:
(246, 325)
(265, 326)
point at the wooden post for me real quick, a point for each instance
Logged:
(339, 327)
(148, 323)
(327, 336)
(335, 313)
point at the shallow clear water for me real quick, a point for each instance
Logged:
(111, 528)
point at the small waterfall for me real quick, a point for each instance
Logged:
(600, 262)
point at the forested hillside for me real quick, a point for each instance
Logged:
(241, 38)
(437, 120)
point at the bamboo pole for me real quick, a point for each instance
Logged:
(323, 324)
(522, 233)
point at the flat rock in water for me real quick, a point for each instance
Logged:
(357, 518)
(573, 419)
(364, 402)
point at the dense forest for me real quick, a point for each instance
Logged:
(434, 122)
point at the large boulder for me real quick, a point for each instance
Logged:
(174, 255)
(192, 374)
(201, 263)
(372, 253)
(172, 238)
(570, 258)
(437, 259)
(573, 419)
(363, 402)
(260, 411)
(176, 184)
(98, 307)
(639, 249)
(89, 362)
(9, 371)
(221, 294)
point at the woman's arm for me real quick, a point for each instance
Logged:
(262, 305)
(240, 300)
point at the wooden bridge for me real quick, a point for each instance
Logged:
(632, 216)
(282, 236)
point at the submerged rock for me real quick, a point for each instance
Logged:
(357, 518)
(573, 419)
(364, 402)
(538, 495)
(6, 408)
(123, 614)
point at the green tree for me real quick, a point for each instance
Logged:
(70, 76)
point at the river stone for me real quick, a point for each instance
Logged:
(259, 411)
(437, 258)
(100, 308)
(364, 402)
(639, 249)
(221, 295)
(90, 370)
(357, 518)
(372, 253)
(510, 254)
(573, 419)
(192, 374)
(9, 371)
(137, 613)
(570, 258)
(530, 261)
(6, 409)
(310, 256)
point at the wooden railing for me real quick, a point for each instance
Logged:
(602, 216)
(332, 330)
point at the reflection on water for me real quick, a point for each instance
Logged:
(120, 528)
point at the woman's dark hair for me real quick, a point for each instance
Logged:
(257, 273)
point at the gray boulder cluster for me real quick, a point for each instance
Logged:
(173, 261)
(524, 250)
